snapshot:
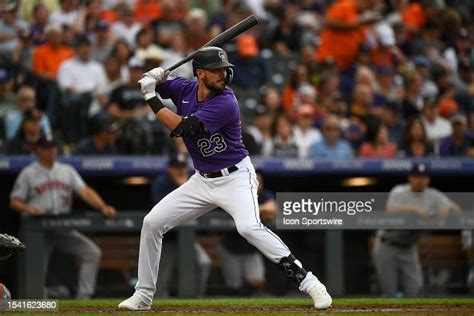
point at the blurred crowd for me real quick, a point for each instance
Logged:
(315, 78)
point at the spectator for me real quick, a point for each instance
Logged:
(26, 100)
(28, 134)
(85, 91)
(122, 52)
(40, 21)
(46, 61)
(170, 22)
(287, 35)
(272, 100)
(115, 77)
(128, 107)
(395, 253)
(332, 144)
(242, 265)
(252, 69)
(413, 102)
(48, 57)
(462, 49)
(261, 130)
(377, 144)
(298, 76)
(304, 133)
(220, 20)
(284, 144)
(176, 175)
(195, 29)
(10, 26)
(68, 15)
(103, 140)
(423, 68)
(147, 11)
(46, 187)
(460, 143)
(176, 52)
(436, 127)
(415, 142)
(362, 100)
(144, 41)
(389, 85)
(344, 31)
(126, 28)
(389, 116)
(102, 42)
(7, 96)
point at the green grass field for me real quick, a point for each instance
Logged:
(275, 306)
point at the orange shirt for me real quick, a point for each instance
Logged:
(343, 46)
(47, 59)
(146, 11)
(414, 16)
(367, 150)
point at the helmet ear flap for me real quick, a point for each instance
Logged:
(229, 76)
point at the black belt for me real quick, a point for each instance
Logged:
(220, 173)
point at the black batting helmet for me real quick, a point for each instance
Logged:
(212, 57)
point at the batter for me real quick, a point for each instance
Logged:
(208, 119)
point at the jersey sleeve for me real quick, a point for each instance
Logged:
(440, 198)
(172, 88)
(77, 182)
(217, 113)
(21, 187)
(396, 196)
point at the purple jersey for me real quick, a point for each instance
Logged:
(221, 146)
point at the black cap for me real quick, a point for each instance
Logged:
(419, 169)
(81, 40)
(105, 125)
(46, 142)
(178, 161)
(210, 57)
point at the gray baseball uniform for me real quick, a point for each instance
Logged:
(395, 251)
(52, 190)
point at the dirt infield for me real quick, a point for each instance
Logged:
(290, 310)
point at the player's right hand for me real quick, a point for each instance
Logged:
(158, 73)
(148, 86)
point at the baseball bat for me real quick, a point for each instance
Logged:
(220, 39)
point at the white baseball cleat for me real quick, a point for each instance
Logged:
(320, 296)
(134, 303)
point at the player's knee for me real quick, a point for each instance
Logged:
(150, 223)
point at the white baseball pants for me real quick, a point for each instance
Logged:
(236, 193)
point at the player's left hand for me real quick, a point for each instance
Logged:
(148, 86)
(108, 211)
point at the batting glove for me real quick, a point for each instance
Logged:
(148, 86)
(158, 73)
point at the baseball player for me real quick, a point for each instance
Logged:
(208, 120)
(46, 187)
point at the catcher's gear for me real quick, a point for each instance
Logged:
(8, 245)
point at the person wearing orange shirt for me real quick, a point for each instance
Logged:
(344, 31)
(48, 57)
(45, 62)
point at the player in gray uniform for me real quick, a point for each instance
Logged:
(46, 187)
(395, 252)
(208, 119)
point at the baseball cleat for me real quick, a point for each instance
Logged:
(134, 303)
(320, 296)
